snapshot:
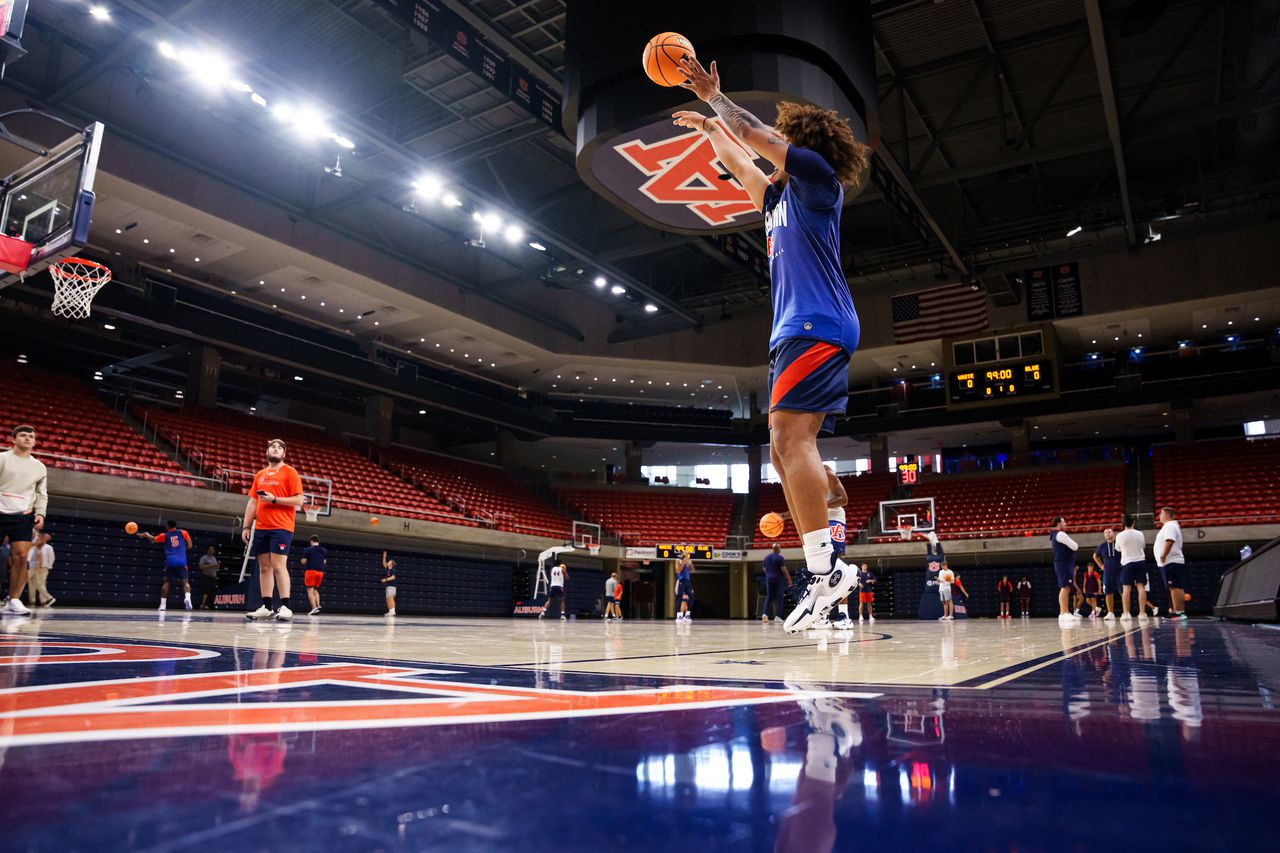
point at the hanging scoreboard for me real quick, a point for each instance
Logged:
(677, 552)
(1002, 368)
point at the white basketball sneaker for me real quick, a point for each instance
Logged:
(820, 595)
(284, 614)
(263, 612)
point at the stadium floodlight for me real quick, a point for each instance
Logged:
(650, 308)
(617, 290)
(342, 141)
(451, 200)
(209, 69)
(1074, 231)
(490, 220)
(538, 247)
(513, 233)
(428, 185)
(258, 99)
(309, 123)
(283, 112)
(600, 282)
(166, 50)
(240, 86)
(101, 13)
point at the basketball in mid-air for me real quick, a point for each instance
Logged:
(662, 57)
(131, 527)
(772, 525)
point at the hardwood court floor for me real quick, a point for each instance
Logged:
(122, 730)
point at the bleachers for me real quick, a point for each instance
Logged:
(1021, 503)
(1217, 483)
(478, 490)
(865, 493)
(76, 430)
(642, 516)
(232, 442)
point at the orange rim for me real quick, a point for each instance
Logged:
(65, 274)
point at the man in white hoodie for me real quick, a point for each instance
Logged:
(1064, 566)
(23, 499)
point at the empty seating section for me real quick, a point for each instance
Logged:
(477, 490)
(986, 506)
(71, 421)
(647, 516)
(1219, 482)
(865, 493)
(238, 443)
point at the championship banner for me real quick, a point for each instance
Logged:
(641, 554)
(1054, 292)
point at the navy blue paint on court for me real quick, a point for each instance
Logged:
(1162, 738)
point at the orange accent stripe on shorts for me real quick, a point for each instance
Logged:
(808, 362)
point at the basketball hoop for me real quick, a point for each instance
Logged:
(75, 282)
(904, 530)
(312, 513)
(594, 550)
(593, 547)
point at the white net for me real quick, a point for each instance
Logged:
(75, 283)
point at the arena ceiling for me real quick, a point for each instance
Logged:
(994, 108)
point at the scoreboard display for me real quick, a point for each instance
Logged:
(908, 470)
(677, 552)
(1001, 381)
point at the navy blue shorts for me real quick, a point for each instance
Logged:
(1131, 573)
(1110, 582)
(175, 572)
(838, 536)
(271, 542)
(1066, 576)
(684, 589)
(555, 592)
(809, 376)
(1172, 574)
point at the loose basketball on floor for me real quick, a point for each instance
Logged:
(662, 57)
(772, 525)
(131, 527)
(373, 519)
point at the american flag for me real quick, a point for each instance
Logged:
(953, 309)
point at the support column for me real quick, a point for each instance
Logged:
(879, 453)
(378, 409)
(508, 449)
(1183, 428)
(755, 459)
(635, 459)
(204, 368)
(1020, 443)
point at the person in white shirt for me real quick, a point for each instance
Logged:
(1133, 568)
(1064, 567)
(24, 498)
(39, 562)
(1169, 559)
(559, 574)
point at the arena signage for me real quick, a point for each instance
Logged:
(642, 554)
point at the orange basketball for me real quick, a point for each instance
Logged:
(662, 56)
(772, 525)
(131, 527)
(1187, 596)
(373, 519)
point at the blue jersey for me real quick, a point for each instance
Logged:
(176, 542)
(683, 573)
(811, 298)
(866, 580)
(315, 556)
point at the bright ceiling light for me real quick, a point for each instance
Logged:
(240, 86)
(617, 290)
(451, 200)
(258, 99)
(342, 141)
(513, 233)
(1074, 231)
(650, 308)
(491, 221)
(600, 282)
(284, 112)
(297, 379)
(309, 123)
(108, 327)
(209, 69)
(166, 50)
(535, 245)
(102, 13)
(428, 185)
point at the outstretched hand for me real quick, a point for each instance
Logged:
(705, 84)
(692, 120)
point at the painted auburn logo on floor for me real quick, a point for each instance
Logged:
(125, 708)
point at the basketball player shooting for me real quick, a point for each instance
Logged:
(815, 327)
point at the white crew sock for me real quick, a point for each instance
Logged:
(186, 596)
(844, 610)
(163, 604)
(817, 550)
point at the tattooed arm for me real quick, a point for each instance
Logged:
(730, 153)
(757, 135)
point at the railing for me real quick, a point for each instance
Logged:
(181, 476)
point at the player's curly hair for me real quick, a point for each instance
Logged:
(825, 132)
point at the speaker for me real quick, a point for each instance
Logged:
(1250, 590)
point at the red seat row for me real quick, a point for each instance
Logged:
(1217, 483)
(644, 516)
(865, 492)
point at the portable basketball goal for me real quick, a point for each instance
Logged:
(586, 537)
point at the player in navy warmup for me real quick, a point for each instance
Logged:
(815, 327)
(684, 589)
(313, 564)
(176, 542)
(776, 580)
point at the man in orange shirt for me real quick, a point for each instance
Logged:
(274, 499)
